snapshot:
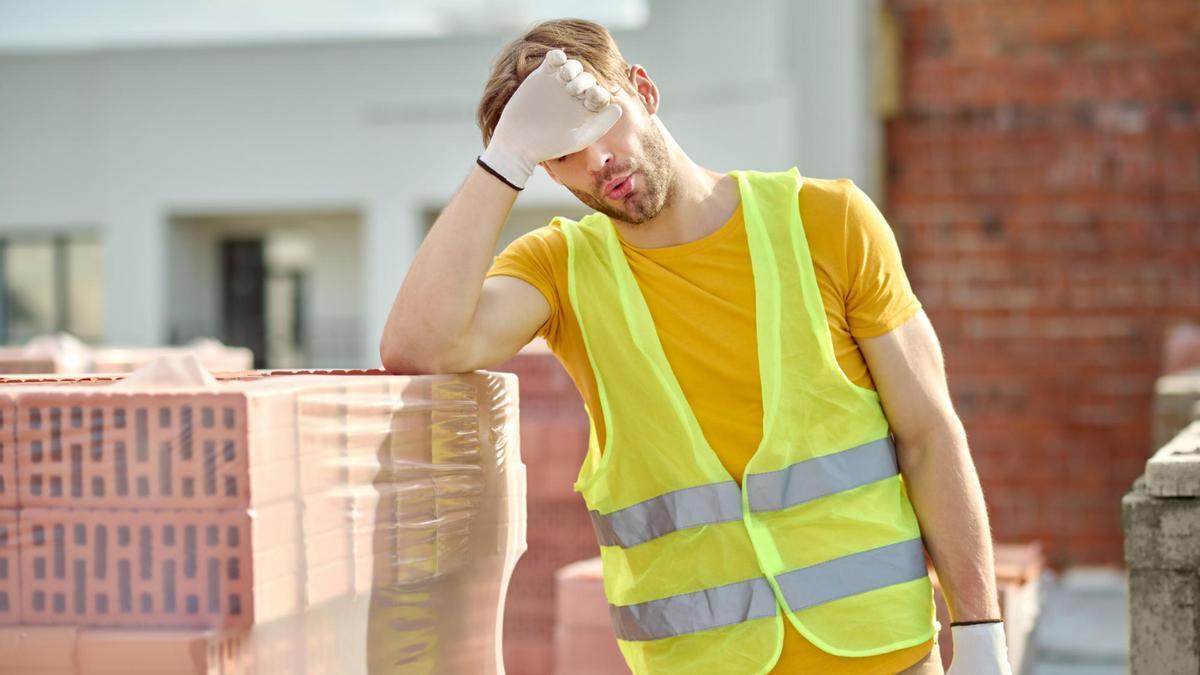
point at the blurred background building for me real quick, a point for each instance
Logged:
(172, 171)
(169, 171)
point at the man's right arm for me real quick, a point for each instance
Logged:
(446, 317)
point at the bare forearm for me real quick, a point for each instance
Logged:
(945, 492)
(437, 300)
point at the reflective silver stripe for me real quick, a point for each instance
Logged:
(821, 476)
(678, 510)
(853, 574)
(692, 612)
(753, 599)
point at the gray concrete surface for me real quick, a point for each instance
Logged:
(1083, 628)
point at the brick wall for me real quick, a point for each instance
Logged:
(1044, 179)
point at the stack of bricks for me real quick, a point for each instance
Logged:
(554, 434)
(273, 523)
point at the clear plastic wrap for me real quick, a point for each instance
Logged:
(271, 522)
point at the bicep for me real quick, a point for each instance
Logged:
(909, 372)
(508, 316)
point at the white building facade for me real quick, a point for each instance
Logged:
(323, 163)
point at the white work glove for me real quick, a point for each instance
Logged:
(558, 109)
(979, 649)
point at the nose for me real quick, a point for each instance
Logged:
(597, 157)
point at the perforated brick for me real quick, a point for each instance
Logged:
(126, 567)
(10, 570)
(8, 456)
(96, 447)
(158, 651)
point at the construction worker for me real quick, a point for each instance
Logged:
(773, 447)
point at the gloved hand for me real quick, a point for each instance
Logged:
(979, 649)
(558, 109)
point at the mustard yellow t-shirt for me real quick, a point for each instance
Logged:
(701, 297)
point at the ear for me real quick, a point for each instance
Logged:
(645, 91)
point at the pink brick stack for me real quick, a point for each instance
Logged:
(275, 523)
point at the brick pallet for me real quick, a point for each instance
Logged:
(273, 515)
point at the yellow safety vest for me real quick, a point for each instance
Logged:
(699, 571)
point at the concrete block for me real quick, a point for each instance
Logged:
(1175, 396)
(1164, 612)
(1160, 533)
(1174, 471)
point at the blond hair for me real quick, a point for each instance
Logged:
(588, 42)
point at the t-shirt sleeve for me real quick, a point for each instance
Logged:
(879, 297)
(528, 258)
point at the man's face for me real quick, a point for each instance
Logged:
(626, 173)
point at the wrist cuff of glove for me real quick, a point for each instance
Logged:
(972, 623)
(502, 179)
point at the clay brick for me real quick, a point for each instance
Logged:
(17, 361)
(584, 641)
(8, 452)
(103, 448)
(26, 649)
(157, 568)
(125, 650)
(10, 568)
(212, 359)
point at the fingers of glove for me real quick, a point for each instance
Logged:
(596, 98)
(570, 70)
(555, 58)
(581, 84)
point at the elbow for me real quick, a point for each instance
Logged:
(407, 359)
(398, 358)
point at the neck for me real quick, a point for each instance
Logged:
(699, 202)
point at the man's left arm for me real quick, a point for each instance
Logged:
(931, 445)
(905, 363)
(907, 367)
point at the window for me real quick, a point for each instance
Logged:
(51, 283)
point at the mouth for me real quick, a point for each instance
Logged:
(619, 188)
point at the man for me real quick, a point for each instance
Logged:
(773, 445)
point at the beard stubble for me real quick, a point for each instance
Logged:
(651, 196)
